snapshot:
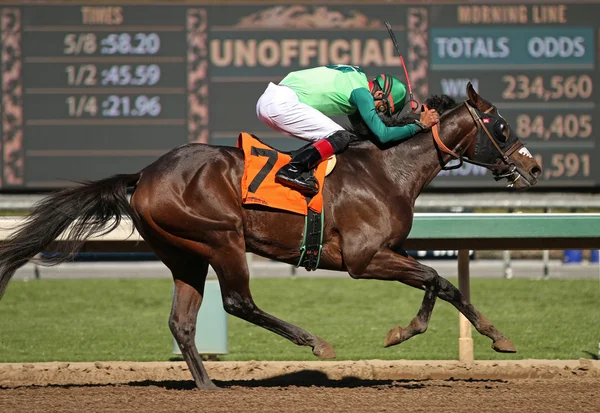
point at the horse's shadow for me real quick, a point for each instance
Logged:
(307, 378)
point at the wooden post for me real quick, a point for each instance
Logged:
(546, 255)
(465, 340)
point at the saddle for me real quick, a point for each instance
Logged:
(261, 163)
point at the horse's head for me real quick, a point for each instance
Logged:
(497, 147)
(484, 137)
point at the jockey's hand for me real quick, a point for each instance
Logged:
(429, 117)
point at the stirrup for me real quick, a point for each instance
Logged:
(305, 187)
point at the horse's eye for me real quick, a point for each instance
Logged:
(502, 131)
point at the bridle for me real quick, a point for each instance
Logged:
(504, 169)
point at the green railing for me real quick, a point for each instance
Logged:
(433, 231)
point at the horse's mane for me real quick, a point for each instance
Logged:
(441, 103)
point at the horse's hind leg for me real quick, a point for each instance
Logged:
(234, 278)
(189, 275)
(187, 298)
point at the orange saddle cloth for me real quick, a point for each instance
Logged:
(261, 163)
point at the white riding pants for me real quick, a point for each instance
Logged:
(280, 109)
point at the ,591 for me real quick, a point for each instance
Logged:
(564, 165)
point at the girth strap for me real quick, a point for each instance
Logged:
(312, 241)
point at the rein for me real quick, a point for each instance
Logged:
(495, 168)
(441, 147)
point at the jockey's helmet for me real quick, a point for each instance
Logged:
(394, 91)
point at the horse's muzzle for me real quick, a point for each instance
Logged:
(518, 178)
(524, 179)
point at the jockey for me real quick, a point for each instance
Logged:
(301, 104)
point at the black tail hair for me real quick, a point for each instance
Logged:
(79, 212)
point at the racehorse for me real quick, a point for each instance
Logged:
(187, 206)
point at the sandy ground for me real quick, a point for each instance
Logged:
(346, 386)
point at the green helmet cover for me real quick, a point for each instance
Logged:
(393, 90)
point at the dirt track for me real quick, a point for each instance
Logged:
(363, 386)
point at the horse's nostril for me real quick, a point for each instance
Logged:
(535, 172)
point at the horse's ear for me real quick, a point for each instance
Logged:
(473, 96)
(476, 100)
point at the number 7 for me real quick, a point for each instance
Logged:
(262, 174)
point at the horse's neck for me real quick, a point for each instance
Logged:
(409, 166)
(452, 134)
(413, 164)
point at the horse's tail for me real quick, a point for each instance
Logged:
(82, 211)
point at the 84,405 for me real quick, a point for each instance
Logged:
(570, 126)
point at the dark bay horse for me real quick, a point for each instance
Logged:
(187, 206)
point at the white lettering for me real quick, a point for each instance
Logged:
(289, 50)
(356, 46)
(390, 54)
(455, 48)
(302, 52)
(562, 46)
(472, 47)
(336, 49)
(372, 54)
(307, 51)
(323, 52)
(268, 53)
(457, 87)
(224, 58)
(503, 46)
(245, 53)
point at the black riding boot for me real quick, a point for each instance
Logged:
(309, 157)
(291, 174)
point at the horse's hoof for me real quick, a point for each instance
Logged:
(395, 336)
(504, 345)
(209, 385)
(324, 350)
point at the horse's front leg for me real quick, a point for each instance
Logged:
(389, 265)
